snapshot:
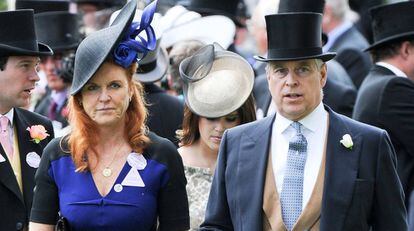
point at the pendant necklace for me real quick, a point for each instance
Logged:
(107, 171)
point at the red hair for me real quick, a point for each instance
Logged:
(83, 136)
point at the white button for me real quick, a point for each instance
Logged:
(118, 188)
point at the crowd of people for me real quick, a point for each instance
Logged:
(207, 115)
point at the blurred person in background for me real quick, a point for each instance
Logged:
(346, 40)
(217, 98)
(61, 31)
(178, 53)
(96, 13)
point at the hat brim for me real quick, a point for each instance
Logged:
(390, 39)
(65, 47)
(215, 96)
(324, 57)
(203, 29)
(44, 50)
(213, 12)
(158, 73)
(96, 47)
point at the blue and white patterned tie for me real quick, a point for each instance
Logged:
(291, 195)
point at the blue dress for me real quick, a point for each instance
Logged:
(125, 207)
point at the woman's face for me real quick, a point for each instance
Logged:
(106, 96)
(212, 129)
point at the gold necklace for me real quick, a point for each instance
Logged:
(107, 171)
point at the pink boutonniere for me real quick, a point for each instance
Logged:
(37, 133)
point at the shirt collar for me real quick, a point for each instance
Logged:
(59, 97)
(392, 68)
(10, 115)
(281, 123)
(335, 33)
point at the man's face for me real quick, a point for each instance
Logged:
(296, 86)
(17, 81)
(51, 65)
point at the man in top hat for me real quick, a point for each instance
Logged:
(23, 134)
(307, 167)
(61, 31)
(386, 97)
(339, 90)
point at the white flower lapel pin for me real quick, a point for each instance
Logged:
(37, 133)
(347, 141)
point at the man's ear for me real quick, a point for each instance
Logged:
(406, 49)
(324, 74)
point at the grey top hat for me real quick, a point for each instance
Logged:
(154, 66)
(217, 82)
(95, 48)
(18, 36)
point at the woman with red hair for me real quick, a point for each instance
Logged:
(110, 173)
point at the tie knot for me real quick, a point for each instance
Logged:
(297, 126)
(4, 121)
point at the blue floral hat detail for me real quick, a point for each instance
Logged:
(133, 46)
(121, 40)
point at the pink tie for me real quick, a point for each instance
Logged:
(5, 137)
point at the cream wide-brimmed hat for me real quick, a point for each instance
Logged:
(217, 82)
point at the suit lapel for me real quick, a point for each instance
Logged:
(7, 177)
(26, 146)
(340, 174)
(251, 171)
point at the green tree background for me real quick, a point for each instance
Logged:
(3, 4)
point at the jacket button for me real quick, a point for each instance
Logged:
(19, 226)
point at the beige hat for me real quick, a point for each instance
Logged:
(217, 82)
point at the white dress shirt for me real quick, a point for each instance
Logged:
(315, 127)
(392, 68)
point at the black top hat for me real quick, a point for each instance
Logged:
(294, 36)
(40, 6)
(229, 8)
(286, 6)
(96, 47)
(391, 23)
(18, 36)
(316, 6)
(58, 29)
(106, 3)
